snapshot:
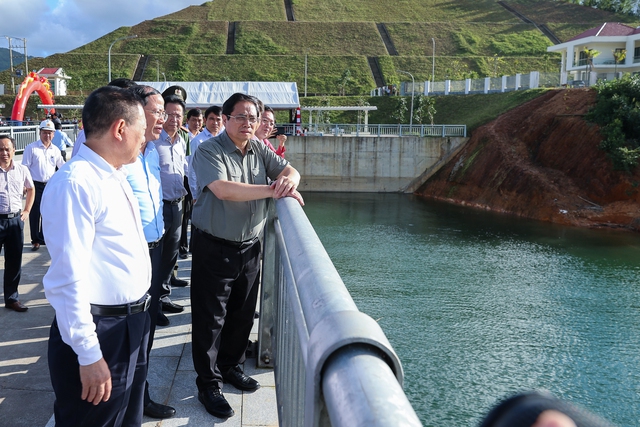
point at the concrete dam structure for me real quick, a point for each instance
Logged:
(369, 164)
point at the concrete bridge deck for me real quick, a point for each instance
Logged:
(26, 395)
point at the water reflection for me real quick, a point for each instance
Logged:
(479, 305)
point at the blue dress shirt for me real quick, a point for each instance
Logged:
(144, 177)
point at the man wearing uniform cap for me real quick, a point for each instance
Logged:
(41, 158)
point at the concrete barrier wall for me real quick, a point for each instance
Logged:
(368, 164)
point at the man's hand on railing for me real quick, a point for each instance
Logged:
(284, 188)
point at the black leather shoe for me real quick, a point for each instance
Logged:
(239, 380)
(179, 283)
(215, 403)
(171, 307)
(158, 410)
(162, 320)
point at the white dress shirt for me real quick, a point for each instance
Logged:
(42, 161)
(173, 159)
(98, 250)
(191, 175)
(13, 181)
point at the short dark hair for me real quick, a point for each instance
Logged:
(267, 108)
(144, 92)
(215, 109)
(194, 112)
(174, 99)
(230, 103)
(122, 82)
(13, 141)
(107, 104)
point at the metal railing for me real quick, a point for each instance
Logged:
(25, 135)
(321, 346)
(377, 130)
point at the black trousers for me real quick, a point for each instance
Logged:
(172, 215)
(12, 238)
(155, 291)
(187, 204)
(224, 292)
(35, 225)
(123, 340)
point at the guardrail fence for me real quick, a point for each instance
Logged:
(25, 135)
(333, 364)
(378, 130)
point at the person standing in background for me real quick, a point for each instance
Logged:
(15, 180)
(42, 158)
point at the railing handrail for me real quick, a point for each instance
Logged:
(325, 348)
(378, 130)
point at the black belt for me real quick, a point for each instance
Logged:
(230, 243)
(173, 202)
(40, 183)
(123, 309)
(10, 215)
(153, 245)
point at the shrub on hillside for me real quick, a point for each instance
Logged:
(617, 111)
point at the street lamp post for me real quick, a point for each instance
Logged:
(164, 77)
(413, 89)
(433, 62)
(114, 42)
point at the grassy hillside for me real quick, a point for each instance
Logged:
(473, 38)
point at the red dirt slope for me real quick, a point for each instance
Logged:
(541, 161)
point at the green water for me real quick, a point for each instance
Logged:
(479, 306)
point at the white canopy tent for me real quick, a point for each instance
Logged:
(277, 95)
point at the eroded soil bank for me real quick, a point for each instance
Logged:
(542, 161)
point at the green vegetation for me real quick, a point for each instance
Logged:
(317, 38)
(617, 111)
(473, 39)
(401, 11)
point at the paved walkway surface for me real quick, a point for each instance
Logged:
(26, 395)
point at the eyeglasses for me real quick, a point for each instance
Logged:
(241, 118)
(175, 116)
(267, 122)
(159, 114)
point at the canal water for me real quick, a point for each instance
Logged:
(479, 306)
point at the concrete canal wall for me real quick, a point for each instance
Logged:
(368, 164)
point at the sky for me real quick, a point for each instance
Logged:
(58, 26)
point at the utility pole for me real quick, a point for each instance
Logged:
(114, 42)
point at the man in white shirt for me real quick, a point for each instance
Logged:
(100, 270)
(41, 158)
(15, 180)
(212, 126)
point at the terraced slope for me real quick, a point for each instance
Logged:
(242, 40)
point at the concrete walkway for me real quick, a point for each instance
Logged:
(26, 396)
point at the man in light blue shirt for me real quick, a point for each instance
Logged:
(60, 139)
(144, 178)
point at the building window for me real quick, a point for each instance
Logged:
(582, 59)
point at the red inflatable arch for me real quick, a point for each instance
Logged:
(32, 83)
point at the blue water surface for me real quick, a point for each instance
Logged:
(479, 306)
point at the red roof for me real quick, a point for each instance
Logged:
(608, 29)
(48, 70)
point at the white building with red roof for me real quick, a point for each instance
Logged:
(57, 79)
(609, 39)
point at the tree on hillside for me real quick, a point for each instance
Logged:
(619, 55)
(400, 112)
(344, 82)
(425, 108)
(589, 55)
(629, 7)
